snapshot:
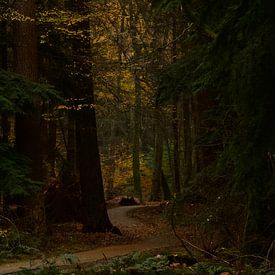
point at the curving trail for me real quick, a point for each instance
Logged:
(119, 218)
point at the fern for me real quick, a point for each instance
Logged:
(17, 94)
(14, 173)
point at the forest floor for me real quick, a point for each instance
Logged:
(143, 228)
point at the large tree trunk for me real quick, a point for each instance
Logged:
(93, 211)
(28, 126)
(3, 45)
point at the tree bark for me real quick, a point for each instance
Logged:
(28, 126)
(5, 124)
(176, 149)
(157, 174)
(137, 107)
(165, 187)
(3, 45)
(93, 211)
(187, 141)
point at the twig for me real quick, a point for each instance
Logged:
(14, 226)
(105, 257)
(184, 242)
(271, 247)
(176, 234)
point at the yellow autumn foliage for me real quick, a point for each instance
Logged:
(122, 173)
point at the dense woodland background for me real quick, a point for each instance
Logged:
(183, 93)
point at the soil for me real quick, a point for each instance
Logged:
(142, 227)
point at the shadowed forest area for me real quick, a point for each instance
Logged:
(139, 134)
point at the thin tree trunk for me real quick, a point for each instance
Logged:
(111, 171)
(187, 141)
(176, 149)
(5, 124)
(169, 152)
(52, 146)
(113, 139)
(176, 137)
(136, 141)
(157, 174)
(194, 134)
(137, 107)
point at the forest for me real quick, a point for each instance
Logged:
(137, 137)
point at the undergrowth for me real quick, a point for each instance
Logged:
(139, 263)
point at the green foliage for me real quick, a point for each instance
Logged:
(211, 269)
(6, 105)
(14, 243)
(186, 76)
(258, 271)
(136, 261)
(165, 4)
(18, 94)
(48, 270)
(237, 66)
(14, 171)
(243, 49)
(157, 264)
(70, 258)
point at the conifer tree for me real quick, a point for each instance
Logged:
(28, 126)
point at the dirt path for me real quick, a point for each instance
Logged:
(119, 217)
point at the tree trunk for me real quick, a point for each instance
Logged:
(136, 142)
(5, 125)
(51, 141)
(28, 126)
(176, 149)
(187, 141)
(137, 107)
(93, 211)
(3, 45)
(194, 134)
(165, 187)
(111, 170)
(157, 174)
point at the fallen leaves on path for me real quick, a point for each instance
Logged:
(68, 237)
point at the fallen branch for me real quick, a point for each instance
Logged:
(185, 242)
